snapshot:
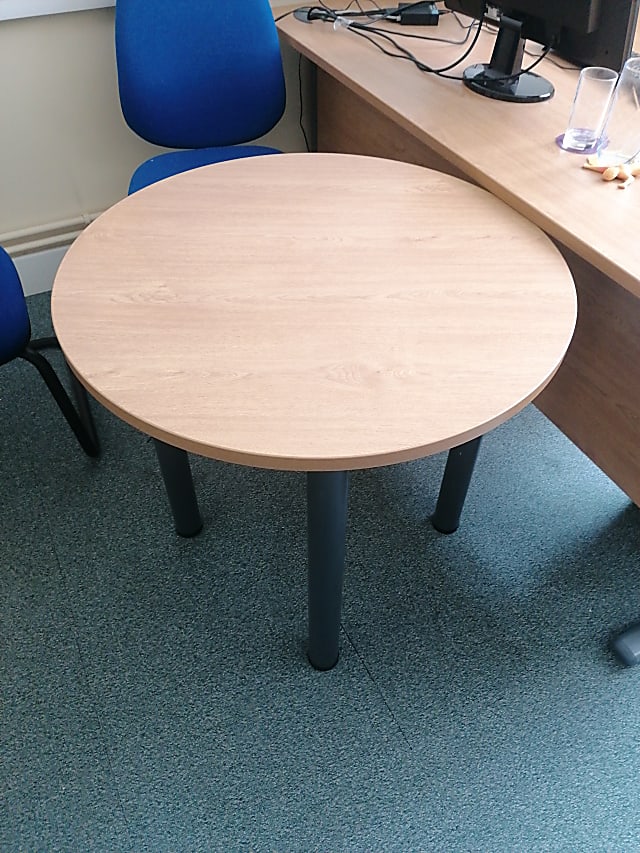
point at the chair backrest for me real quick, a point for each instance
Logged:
(198, 73)
(15, 329)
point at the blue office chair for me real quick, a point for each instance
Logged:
(203, 76)
(16, 342)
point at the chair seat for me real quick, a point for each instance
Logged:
(174, 162)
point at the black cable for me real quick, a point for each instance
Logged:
(543, 55)
(405, 35)
(363, 31)
(374, 13)
(300, 120)
(366, 12)
(554, 61)
(284, 15)
(390, 14)
(413, 35)
(370, 33)
(507, 77)
(326, 13)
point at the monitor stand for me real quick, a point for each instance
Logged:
(503, 78)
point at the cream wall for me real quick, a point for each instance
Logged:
(65, 152)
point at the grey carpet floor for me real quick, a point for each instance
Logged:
(155, 694)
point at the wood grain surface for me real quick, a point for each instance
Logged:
(507, 148)
(313, 311)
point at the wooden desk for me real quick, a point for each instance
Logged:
(248, 312)
(369, 103)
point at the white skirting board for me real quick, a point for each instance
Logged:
(38, 269)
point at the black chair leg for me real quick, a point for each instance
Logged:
(80, 421)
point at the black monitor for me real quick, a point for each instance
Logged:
(610, 44)
(588, 32)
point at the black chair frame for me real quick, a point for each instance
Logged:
(78, 417)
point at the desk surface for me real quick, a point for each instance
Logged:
(507, 148)
(313, 311)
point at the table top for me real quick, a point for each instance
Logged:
(507, 148)
(313, 311)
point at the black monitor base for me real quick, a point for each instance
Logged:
(526, 88)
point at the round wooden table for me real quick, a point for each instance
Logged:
(312, 312)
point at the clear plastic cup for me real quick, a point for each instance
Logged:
(589, 110)
(621, 136)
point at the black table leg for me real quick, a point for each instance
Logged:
(327, 499)
(455, 483)
(176, 473)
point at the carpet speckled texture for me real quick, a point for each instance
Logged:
(155, 693)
